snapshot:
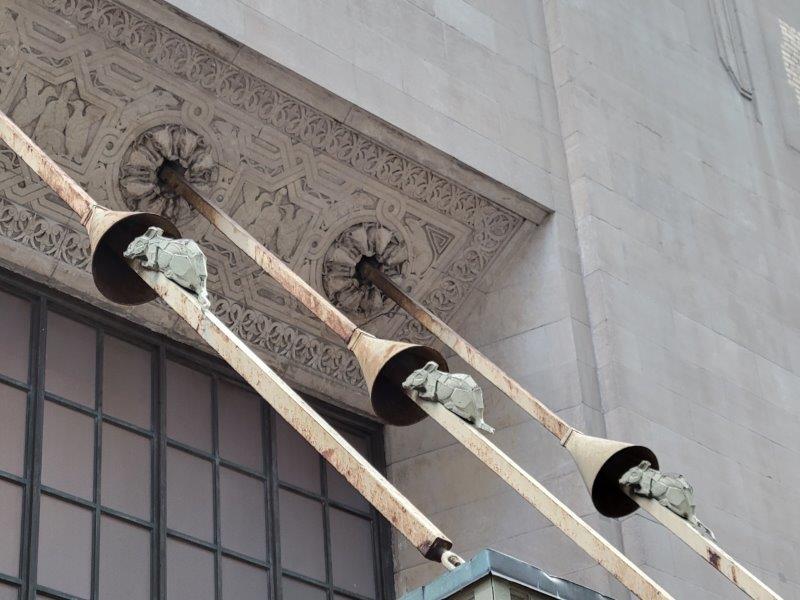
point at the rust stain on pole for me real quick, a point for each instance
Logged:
(473, 357)
(708, 549)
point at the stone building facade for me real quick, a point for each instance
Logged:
(603, 196)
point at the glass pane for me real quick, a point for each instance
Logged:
(124, 561)
(126, 381)
(12, 429)
(240, 426)
(302, 537)
(125, 471)
(338, 487)
(190, 499)
(242, 514)
(65, 547)
(298, 462)
(68, 450)
(295, 590)
(352, 553)
(190, 572)
(241, 581)
(188, 406)
(10, 526)
(8, 592)
(70, 360)
(15, 315)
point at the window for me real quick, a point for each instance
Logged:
(132, 467)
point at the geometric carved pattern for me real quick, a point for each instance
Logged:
(112, 93)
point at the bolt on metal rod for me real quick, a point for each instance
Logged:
(528, 487)
(377, 490)
(707, 549)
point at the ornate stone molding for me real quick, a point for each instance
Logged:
(112, 94)
(339, 278)
(138, 178)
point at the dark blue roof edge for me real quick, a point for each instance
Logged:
(490, 561)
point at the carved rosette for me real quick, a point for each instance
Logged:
(139, 171)
(339, 278)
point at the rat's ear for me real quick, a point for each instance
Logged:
(430, 366)
(153, 232)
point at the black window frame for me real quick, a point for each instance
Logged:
(43, 299)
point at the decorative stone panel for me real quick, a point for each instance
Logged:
(111, 94)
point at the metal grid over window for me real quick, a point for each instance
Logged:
(132, 467)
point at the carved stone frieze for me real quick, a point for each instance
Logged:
(111, 94)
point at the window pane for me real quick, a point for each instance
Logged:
(12, 429)
(125, 471)
(70, 359)
(190, 500)
(338, 487)
(68, 450)
(190, 572)
(302, 537)
(352, 553)
(241, 581)
(242, 514)
(124, 561)
(15, 314)
(65, 547)
(126, 381)
(295, 590)
(10, 526)
(8, 592)
(188, 406)
(298, 462)
(240, 426)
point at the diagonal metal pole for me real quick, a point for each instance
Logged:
(709, 550)
(377, 490)
(600, 549)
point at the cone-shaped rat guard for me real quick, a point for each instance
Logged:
(385, 365)
(601, 463)
(110, 232)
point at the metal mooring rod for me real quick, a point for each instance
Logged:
(377, 490)
(706, 548)
(471, 355)
(600, 549)
(595, 545)
(173, 180)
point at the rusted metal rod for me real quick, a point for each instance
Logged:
(173, 179)
(397, 509)
(595, 545)
(471, 355)
(530, 489)
(708, 549)
(324, 438)
(704, 547)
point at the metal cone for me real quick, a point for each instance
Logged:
(601, 463)
(110, 232)
(385, 365)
